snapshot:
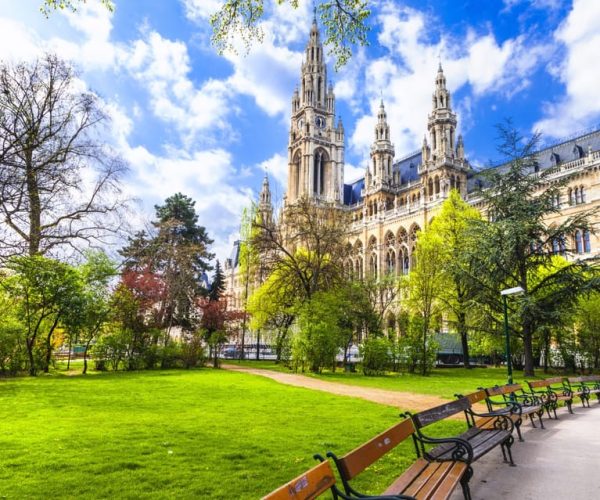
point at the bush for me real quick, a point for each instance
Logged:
(376, 355)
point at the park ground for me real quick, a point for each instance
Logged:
(200, 433)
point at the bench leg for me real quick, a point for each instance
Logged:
(569, 406)
(464, 483)
(506, 450)
(540, 415)
(518, 427)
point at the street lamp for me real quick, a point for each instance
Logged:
(509, 291)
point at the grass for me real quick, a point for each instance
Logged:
(183, 434)
(442, 382)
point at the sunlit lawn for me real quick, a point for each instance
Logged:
(176, 434)
(443, 382)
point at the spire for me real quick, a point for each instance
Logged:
(265, 193)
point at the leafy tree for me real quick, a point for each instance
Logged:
(169, 266)
(588, 328)
(345, 23)
(49, 148)
(216, 324)
(517, 243)
(217, 287)
(96, 273)
(12, 340)
(451, 225)
(46, 292)
(307, 248)
(376, 355)
(320, 334)
(425, 288)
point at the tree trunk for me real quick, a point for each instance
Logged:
(49, 345)
(34, 205)
(85, 352)
(30, 343)
(462, 330)
(528, 351)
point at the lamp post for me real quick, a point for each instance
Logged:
(506, 293)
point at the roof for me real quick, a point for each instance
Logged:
(563, 151)
(407, 167)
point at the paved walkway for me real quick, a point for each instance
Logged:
(561, 461)
(401, 400)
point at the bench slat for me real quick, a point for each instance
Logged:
(406, 479)
(503, 389)
(435, 482)
(362, 457)
(307, 486)
(452, 479)
(476, 397)
(440, 412)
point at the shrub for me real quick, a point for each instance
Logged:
(376, 355)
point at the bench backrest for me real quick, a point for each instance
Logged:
(575, 380)
(476, 397)
(308, 485)
(440, 412)
(500, 390)
(366, 454)
(545, 383)
(590, 378)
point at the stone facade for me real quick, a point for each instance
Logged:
(397, 197)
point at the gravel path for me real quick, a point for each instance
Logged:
(400, 400)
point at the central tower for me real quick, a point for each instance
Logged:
(316, 143)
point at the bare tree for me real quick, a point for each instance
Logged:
(59, 181)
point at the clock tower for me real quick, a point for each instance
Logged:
(316, 143)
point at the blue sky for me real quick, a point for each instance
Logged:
(189, 120)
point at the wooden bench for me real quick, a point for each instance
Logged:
(496, 432)
(516, 402)
(551, 390)
(592, 384)
(424, 479)
(578, 388)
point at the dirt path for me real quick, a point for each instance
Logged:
(400, 400)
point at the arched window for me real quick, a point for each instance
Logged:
(319, 172)
(458, 183)
(578, 242)
(577, 196)
(391, 262)
(373, 265)
(571, 197)
(430, 187)
(582, 194)
(587, 247)
(437, 185)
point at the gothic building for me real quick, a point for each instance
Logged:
(397, 197)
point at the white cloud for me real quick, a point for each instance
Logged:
(478, 60)
(352, 173)
(276, 167)
(579, 72)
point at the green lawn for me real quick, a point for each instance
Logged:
(443, 382)
(176, 434)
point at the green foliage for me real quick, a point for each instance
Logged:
(588, 329)
(217, 287)
(415, 351)
(516, 244)
(344, 22)
(320, 335)
(45, 293)
(51, 5)
(376, 355)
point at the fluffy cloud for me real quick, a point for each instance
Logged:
(580, 106)
(478, 61)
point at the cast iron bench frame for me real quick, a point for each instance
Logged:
(516, 402)
(578, 388)
(482, 440)
(592, 384)
(426, 478)
(552, 395)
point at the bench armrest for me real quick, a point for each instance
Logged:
(502, 421)
(350, 493)
(461, 449)
(515, 406)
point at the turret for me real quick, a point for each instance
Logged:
(382, 150)
(265, 207)
(442, 121)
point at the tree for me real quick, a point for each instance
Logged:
(171, 264)
(588, 329)
(46, 292)
(307, 248)
(96, 273)
(516, 243)
(217, 287)
(425, 288)
(452, 224)
(345, 23)
(59, 184)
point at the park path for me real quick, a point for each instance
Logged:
(398, 399)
